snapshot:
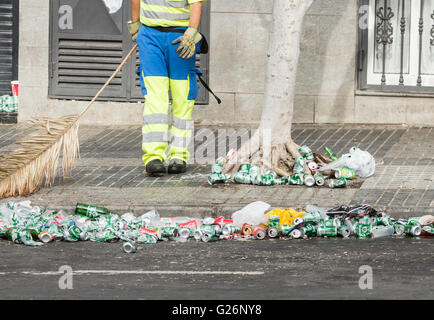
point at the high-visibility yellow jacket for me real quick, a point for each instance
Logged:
(166, 13)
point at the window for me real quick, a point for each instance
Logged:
(89, 39)
(396, 45)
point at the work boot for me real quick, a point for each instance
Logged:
(177, 166)
(155, 168)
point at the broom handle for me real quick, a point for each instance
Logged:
(110, 79)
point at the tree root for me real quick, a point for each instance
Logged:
(280, 157)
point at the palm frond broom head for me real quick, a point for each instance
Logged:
(24, 169)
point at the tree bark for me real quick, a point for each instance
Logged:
(271, 144)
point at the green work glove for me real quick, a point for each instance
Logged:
(188, 42)
(134, 27)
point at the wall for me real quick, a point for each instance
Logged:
(326, 88)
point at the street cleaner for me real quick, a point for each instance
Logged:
(166, 32)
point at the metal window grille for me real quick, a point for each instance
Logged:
(86, 49)
(396, 46)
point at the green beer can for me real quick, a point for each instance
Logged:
(285, 229)
(413, 230)
(307, 154)
(266, 179)
(242, 177)
(273, 232)
(337, 183)
(312, 217)
(363, 230)
(298, 165)
(310, 230)
(75, 231)
(217, 168)
(330, 154)
(245, 168)
(364, 220)
(327, 231)
(90, 211)
(319, 179)
(215, 178)
(274, 221)
(413, 220)
(209, 237)
(296, 179)
(255, 170)
(282, 181)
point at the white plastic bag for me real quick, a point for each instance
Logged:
(362, 162)
(253, 214)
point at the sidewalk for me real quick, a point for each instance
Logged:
(110, 174)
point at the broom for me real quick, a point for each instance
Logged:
(23, 170)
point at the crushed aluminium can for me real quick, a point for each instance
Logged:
(399, 228)
(273, 232)
(344, 231)
(312, 165)
(298, 165)
(312, 217)
(216, 168)
(129, 247)
(344, 173)
(259, 233)
(327, 231)
(337, 183)
(45, 237)
(297, 233)
(285, 229)
(310, 230)
(309, 180)
(215, 178)
(319, 179)
(296, 179)
(363, 230)
(273, 221)
(413, 229)
(242, 177)
(230, 229)
(209, 237)
(245, 168)
(246, 229)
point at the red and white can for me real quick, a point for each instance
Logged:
(246, 229)
(15, 87)
(259, 233)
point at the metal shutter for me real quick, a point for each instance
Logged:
(8, 44)
(86, 53)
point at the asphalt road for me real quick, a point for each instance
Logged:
(316, 268)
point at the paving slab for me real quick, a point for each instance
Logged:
(110, 173)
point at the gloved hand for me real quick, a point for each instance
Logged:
(134, 27)
(188, 43)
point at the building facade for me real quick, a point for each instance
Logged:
(359, 62)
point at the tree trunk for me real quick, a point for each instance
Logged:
(272, 145)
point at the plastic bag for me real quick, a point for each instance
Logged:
(252, 214)
(286, 216)
(362, 162)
